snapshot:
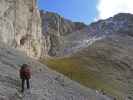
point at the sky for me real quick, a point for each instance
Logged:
(86, 11)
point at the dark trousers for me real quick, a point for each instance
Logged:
(23, 84)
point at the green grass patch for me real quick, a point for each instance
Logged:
(75, 69)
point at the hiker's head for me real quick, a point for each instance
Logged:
(24, 66)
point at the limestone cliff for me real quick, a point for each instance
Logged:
(20, 26)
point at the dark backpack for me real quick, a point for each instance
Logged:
(25, 72)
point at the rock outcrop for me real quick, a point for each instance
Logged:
(20, 26)
(55, 28)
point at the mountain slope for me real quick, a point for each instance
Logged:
(105, 64)
(46, 84)
(121, 23)
(111, 59)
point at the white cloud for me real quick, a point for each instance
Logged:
(108, 8)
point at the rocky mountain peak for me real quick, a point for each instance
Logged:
(123, 16)
(55, 28)
(57, 23)
(120, 23)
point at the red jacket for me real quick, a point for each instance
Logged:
(25, 73)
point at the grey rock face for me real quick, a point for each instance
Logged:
(20, 26)
(55, 28)
(54, 22)
(45, 84)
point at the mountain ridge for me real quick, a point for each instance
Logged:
(64, 44)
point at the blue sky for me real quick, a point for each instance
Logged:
(75, 10)
(87, 10)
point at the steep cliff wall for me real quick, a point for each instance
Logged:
(20, 26)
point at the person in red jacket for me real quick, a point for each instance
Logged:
(25, 75)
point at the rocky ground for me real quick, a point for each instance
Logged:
(45, 83)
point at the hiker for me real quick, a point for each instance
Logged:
(25, 75)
